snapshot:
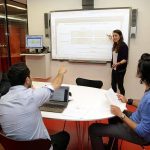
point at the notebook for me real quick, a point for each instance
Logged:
(58, 101)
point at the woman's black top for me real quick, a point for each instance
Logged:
(122, 54)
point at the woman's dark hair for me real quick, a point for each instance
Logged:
(143, 70)
(145, 56)
(116, 46)
(18, 73)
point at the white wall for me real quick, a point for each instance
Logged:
(139, 45)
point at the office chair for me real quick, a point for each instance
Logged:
(89, 83)
(142, 146)
(4, 84)
(37, 144)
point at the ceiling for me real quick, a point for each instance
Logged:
(21, 1)
(13, 11)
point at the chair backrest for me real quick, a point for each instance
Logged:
(38, 144)
(143, 146)
(4, 84)
(89, 83)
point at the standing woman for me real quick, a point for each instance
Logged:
(119, 61)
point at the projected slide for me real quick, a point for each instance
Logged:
(82, 35)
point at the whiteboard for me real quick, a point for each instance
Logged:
(81, 35)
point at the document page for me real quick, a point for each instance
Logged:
(76, 111)
(112, 97)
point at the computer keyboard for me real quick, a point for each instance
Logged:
(52, 108)
(54, 105)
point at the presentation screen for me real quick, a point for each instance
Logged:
(34, 41)
(81, 35)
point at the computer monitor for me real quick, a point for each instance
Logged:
(34, 41)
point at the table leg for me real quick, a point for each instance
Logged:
(81, 128)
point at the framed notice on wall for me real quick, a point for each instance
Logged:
(81, 35)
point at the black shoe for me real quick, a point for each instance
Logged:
(106, 147)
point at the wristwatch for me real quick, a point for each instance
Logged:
(122, 116)
(130, 101)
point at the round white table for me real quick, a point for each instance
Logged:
(85, 104)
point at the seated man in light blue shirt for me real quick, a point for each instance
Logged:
(133, 127)
(20, 117)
